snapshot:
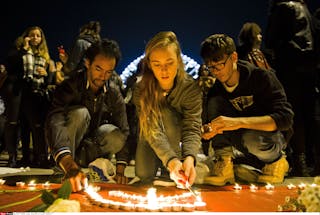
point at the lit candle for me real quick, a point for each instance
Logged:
(253, 188)
(114, 205)
(104, 203)
(200, 206)
(2, 181)
(32, 184)
(152, 200)
(291, 186)
(96, 202)
(127, 206)
(237, 187)
(140, 207)
(20, 184)
(176, 207)
(46, 184)
(269, 187)
(188, 207)
(165, 207)
(302, 186)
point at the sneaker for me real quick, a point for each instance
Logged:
(274, 172)
(102, 169)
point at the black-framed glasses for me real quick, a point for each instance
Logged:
(219, 66)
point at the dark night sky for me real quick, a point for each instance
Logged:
(131, 23)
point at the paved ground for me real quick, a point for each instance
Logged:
(54, 175)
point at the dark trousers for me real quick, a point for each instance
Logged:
(260, 146)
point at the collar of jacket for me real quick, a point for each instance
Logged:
(104, 87)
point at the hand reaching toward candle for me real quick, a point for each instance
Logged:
(72, 171)
(189, 169)
(182, 173)
(79, 181)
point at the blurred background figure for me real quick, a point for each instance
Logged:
(89, 33)
(25, 97)
(249, 49)
(289, 37)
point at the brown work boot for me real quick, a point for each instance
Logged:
(246, 173)
(274, 172)
(222, 172)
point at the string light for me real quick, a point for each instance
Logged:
(191, 67)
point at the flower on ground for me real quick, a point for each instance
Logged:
(307, 201)
(64, 205)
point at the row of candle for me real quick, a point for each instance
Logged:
(140, 198)
(31, 184)
(149, 203)
(176, 197)
(269, 187)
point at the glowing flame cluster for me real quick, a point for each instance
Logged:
(150, 202)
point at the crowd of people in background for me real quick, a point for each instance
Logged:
(257, 108)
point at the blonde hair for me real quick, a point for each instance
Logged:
(41, 49)
(151, 95)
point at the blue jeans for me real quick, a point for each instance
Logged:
(147, 161)
(106, 140)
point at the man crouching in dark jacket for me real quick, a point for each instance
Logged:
(85, 110)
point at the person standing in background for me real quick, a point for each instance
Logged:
(89, 33)
(289, 37)
(249, 49)
(25, 97)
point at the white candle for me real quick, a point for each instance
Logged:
(200, 206)
(237, 187)
(269, 187)
(176, 207)
(188, 207)
(140, 207)
(32, 184)
(127, 206)
(291, 186)
(2, 181)
(114, 205)
(20, 184)
(302, 186)
(253, 188)
(46, 184)
(165, 207)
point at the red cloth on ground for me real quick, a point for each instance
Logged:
(218, 199)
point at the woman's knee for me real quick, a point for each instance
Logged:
(111, 139)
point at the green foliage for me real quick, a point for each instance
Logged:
(39, 208)
(65, 190)
(48, 198)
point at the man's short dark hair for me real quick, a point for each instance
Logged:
(216, 46)
(106, 47)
